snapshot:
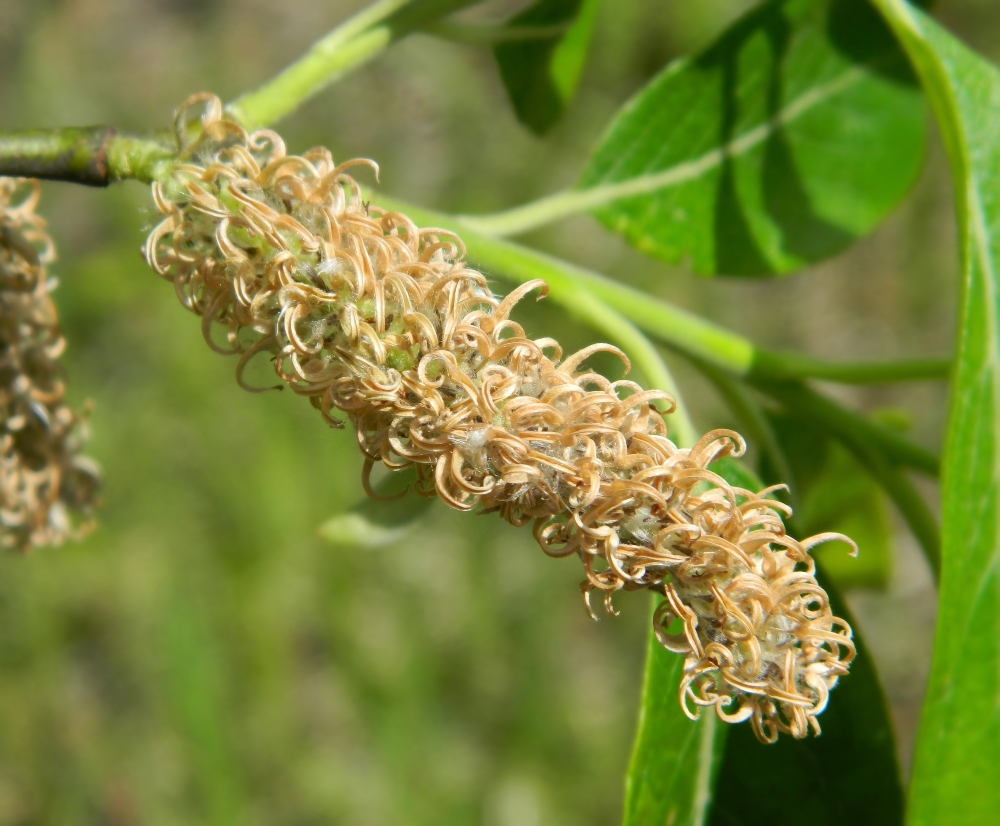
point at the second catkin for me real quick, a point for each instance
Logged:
(370, 316)
(47, 488)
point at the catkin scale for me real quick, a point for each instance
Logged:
(370, 316)
(47, 489)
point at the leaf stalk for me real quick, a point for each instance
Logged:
(351, 44)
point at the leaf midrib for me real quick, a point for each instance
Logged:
(689, 170)
(576, 201)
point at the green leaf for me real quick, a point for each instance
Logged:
(737, 473)
(375, 523)
(845, 499)
(541, 73)
(787, 139)
(832, 491)
(958, 749)
(849, 774)
(674, 761)
(195, 679)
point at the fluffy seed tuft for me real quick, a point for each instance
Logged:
(365, 313)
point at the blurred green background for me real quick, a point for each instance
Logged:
(204, 657)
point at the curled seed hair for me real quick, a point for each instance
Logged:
(366, 314)
(47, 489)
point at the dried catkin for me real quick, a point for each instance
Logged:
(47, 489)
(365, 313)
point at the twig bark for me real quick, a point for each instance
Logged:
(77, 154)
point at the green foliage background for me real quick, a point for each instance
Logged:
(205, 657)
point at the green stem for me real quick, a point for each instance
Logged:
(796, 366)
(738, 355)
(685, 330)
(140, 159)
(677, 328)
(535, 214)
(846, 425)
(641, 352)
(584, 306)
(814, 408)
(351, 44)
(91, 155)
(79, 155)
(98, 155)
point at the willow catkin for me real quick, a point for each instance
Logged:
(47, 489)
(368, 314)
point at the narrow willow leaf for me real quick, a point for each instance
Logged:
(787, 139)
(671, 775)
(674, 761)
(958, 749)
(375, 523)
(849, 774)
(541, 73)
(193, 685)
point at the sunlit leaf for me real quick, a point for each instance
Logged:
(674, 760)
(541, 73)
(958, 750)
(783, 142)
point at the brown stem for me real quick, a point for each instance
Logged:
(78, 155)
